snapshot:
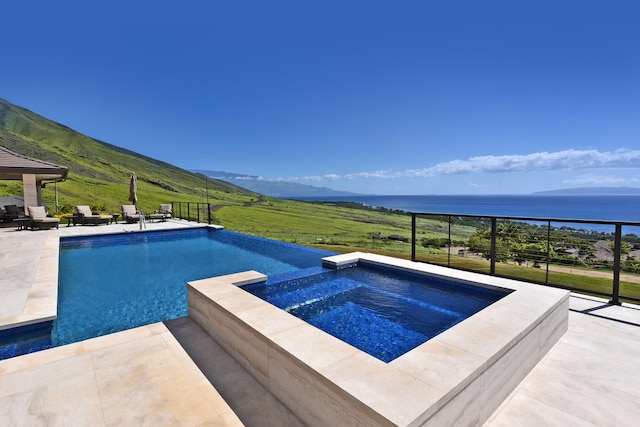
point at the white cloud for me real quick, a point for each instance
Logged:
(246, 178)
(348, 177)
(534, 162)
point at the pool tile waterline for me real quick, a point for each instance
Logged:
(325, 381)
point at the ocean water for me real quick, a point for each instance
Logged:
(610, 208)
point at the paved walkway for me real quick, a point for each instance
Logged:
(589, 378)
(173, 374)
(137, 377)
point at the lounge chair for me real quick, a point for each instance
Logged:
(86, 217)
(162, 214)
(166, 209)
(11, 212)
(130, 214)
(40, 219)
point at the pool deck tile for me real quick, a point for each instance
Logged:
(30, 286)
(589, 377)
(136, 377)
(141, 376)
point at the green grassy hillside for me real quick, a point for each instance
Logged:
(99, 172)
(99, 176)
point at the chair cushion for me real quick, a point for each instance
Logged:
(128, 210)
(46, 219)
(37, 212)
(84, 210)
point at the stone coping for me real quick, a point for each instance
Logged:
(42, 300)
(458, 377)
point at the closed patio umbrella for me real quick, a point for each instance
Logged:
(133, 188)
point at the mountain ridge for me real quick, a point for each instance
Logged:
(99, 171)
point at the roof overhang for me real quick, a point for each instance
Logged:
(13, 166)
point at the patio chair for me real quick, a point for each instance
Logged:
(40, 219)
(166, 209)
(162, 213)
(11, 212)
(130, 214)
(86, 217)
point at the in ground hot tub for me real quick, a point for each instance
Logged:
(380, 310)
(460, 375)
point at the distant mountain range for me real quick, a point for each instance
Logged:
(591, 191)
(284, 189)
(281, 189)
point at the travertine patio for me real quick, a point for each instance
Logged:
(172, 373)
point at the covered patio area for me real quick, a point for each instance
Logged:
(33, 173)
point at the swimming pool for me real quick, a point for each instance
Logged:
(110, 283)
(381, 312)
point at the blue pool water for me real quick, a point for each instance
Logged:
(382, 312)
(115, 282)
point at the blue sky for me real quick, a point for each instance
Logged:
(385, 97)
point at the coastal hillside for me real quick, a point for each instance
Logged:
(99, 176)
(98, 171)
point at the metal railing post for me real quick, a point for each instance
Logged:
(492, 254)
(413, 237)
(449, 243)
(198, 209)
(546, 278)
(209, 213)
(617, 256)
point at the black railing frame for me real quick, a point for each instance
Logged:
(177, 208)
(617, 261)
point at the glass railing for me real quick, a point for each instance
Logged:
(599, 258)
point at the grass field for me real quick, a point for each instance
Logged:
(345, 230)
(580, 282)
